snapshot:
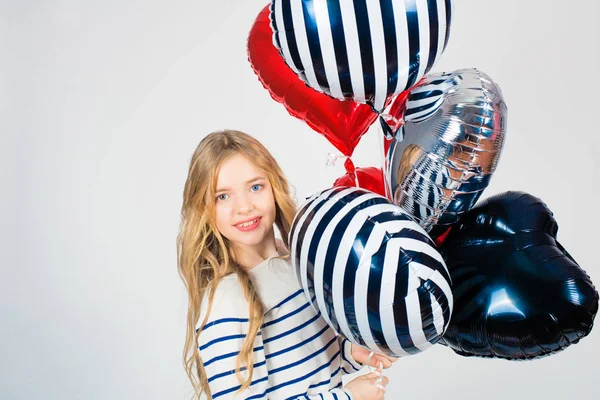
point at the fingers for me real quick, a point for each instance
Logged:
(373, 363)
(377, 379)
(370, 359)
(382, 380)
(386, 360)
(377, 360)
(371, 376)
(382, 388)
(381, 383)
(374, 360)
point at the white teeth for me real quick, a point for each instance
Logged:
(246, 224)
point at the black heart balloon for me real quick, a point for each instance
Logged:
(518, 294)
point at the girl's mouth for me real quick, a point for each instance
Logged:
(249, 225)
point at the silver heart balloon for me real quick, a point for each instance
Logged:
(442, 158)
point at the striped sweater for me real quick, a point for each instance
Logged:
(296, 354)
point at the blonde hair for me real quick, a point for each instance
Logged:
(203, 254)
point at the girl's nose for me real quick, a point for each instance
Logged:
(244, 204)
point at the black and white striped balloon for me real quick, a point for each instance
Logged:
(371, 271)
(365, 50)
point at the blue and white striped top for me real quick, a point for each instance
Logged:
(296, 354)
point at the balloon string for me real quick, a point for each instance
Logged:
(377, 371)
(332, 158)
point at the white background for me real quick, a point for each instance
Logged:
(102, 105)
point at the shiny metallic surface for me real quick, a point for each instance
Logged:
(449, 147)
(372, 272)
(518, 294)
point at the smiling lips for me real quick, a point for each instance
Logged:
(249, 225)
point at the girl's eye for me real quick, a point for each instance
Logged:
(221, 197)
(256, 188)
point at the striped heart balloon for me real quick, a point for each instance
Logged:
(371, 271)
(363, 50)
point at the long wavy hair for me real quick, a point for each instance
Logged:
(203, 254)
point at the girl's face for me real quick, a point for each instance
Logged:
(245, 206)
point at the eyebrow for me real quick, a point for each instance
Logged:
(258, 178)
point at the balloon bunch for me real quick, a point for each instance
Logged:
(399, 258)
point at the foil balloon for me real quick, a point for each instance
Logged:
(444, 155)
(343, 123)
(363, 50)
(369, 178)
(371, 271)
(518, 294)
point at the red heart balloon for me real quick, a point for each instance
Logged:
(369, 178)
(342, 122)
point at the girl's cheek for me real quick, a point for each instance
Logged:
(225, 208)
(220, 211)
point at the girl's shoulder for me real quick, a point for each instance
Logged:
(228, 317)
(229, 301)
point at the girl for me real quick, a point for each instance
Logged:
(250, 332)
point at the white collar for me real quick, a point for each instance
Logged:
(275, 280)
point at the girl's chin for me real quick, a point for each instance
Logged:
(250, 240)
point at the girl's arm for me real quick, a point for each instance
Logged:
(221, 340)
(220, 343)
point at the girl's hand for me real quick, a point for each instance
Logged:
(361, 355)
(368, 387)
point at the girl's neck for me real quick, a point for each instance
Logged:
(250, 256)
